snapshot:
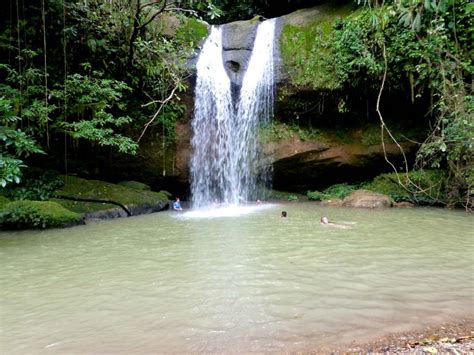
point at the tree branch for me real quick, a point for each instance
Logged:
(163, 103)
(162, 9)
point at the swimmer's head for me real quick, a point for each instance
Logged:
(324, 220)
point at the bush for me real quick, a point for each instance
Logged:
(135, 185)
(38, 185)
(3, 201)
(36, 214)
(315, 196)
(332, 192)
(422, 187)
(280, 195)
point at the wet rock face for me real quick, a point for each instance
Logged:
(297, 165)
(237, 44)
(303, 166)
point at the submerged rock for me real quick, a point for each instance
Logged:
(367, 199)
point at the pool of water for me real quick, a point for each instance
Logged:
(245, 281)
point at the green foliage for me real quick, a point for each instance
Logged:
(10, 169)
(274, 132)
(89, 101)
(277, 131)
(315, 196)
(36, 214)
(38, 186)
(335, 191)
(135, 185)
(307, 65)
(281, 195)
(17, 142)
(356, 51)
(371, 135)
(307, 52)
(3, 201)
(427, 46)
(191, 30)
(133, 70)
(421, 187)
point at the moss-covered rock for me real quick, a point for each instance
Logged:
(37, 214)
(305, 46)
(183, 28)
(191, 29)
(78, 188)
(135, 185)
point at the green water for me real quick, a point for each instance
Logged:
(168, 282)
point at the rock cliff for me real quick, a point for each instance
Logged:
(346, 145)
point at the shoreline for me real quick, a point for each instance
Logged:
(455, 337)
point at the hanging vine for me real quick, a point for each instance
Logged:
(46, 119)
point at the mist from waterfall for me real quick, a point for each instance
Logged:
(228, 164)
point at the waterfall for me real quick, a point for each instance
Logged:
(227, 163)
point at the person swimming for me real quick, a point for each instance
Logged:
(325, 222)
(284, 214)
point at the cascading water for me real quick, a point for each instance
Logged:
(227, 163)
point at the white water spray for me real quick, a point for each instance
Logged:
(227, 164)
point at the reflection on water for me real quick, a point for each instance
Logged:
(177, 282)
(222, 210)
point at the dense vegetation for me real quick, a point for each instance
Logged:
(94, 75)
(423, 48)
(91, 72)
(390, 54)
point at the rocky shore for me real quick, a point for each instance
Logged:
(450, 338)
